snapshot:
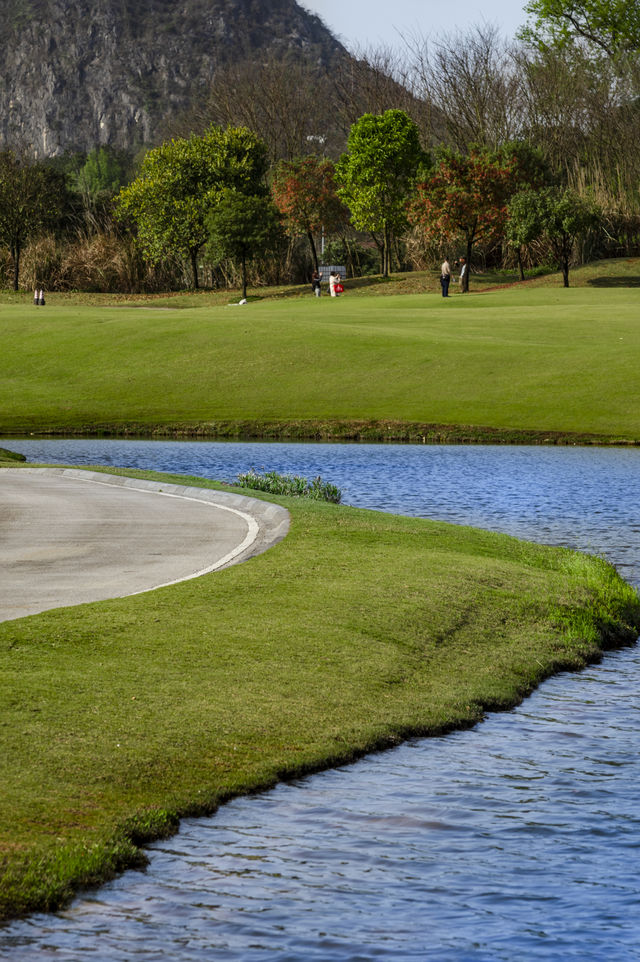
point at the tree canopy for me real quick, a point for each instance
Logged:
(464, 198)
(560, 214)
(101, 176)
(32, 199)
(304, 192)
(241, 227)
(612, 26)
(180, 183)
(377, 173)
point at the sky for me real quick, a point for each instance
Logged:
(370, 23)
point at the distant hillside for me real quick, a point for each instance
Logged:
(78, 73)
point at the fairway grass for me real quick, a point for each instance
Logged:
(523, 363)
(358, 630)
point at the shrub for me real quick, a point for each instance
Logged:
(291, 484)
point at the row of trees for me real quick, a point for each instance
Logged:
(452, 167)
(569, 85)
(210, 192)
(214, 196)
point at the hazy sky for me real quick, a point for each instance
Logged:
(366, 23)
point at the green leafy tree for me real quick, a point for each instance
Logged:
(32, 199)
(304, 192)
(100, 177)
(523, 225)
(611, 26)
(559, 214)
(181, 181)
(242, 227)
(376, 175)
(529, 171)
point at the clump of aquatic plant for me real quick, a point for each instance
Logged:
(291, 484)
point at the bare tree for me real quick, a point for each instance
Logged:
(285, 101)
(584, 114)
(471, 82)
(376, 79)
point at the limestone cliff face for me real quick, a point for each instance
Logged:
(75, 74)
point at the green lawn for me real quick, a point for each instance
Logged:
(358, 630)
(519, 359)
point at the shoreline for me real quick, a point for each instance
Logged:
(325, 430)
(345, 659)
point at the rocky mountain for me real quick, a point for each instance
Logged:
(75, 74)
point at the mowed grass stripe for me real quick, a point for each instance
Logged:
(534, 358)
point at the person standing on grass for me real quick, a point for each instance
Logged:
(463, 273)
(333, 280)
(445, 277)
(315, 283)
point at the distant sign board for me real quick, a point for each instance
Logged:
(327, 269)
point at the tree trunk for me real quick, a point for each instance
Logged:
(350, 263)
(520, 267)
(194, 268)
(386, 251)
(15, 253)
(396, 249)
(289, 259)
(244, 276)
(380, 245)
(465, 279)
(565, 249)
(314, 253)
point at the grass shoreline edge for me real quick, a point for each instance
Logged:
(604, 614)
(347, 431)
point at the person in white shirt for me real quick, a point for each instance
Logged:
(445, 277)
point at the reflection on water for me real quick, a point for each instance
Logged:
(514, 841)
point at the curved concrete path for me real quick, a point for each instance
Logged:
(71, 536)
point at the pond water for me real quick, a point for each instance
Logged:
(516, 840)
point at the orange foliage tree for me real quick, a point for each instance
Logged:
(304, 193)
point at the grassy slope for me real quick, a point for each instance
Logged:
(358, 630)
(524, 358)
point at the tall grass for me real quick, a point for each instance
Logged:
(619, 202)
(291, 484)
(99, 260)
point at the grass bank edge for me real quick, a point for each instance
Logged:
(600, 611)
(485, 370)
(326, 430)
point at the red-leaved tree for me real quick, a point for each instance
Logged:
(304, 193)
(466, 197)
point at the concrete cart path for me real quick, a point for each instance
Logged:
(70, 536)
